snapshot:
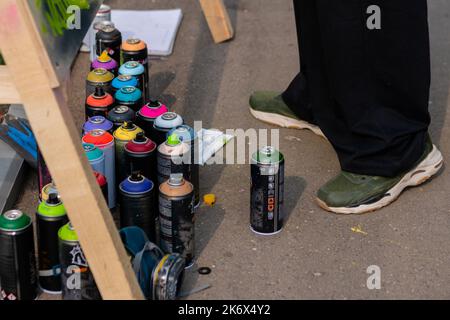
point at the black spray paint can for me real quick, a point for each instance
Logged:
(18, 276)
(108, 38)
(176, 217)
(51, 216)
(77, 280)
(119, 115)
(140, 153)
(267, 191)
(137, 204)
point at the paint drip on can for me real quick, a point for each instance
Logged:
(174, 156)
(77, 280)
(108, 39)
(146, 116)
(127, 132)
(163, 124)
(17, 257)
(120, 114)
(51, 216)
(99, 78)
(97, 122)
(137, 204)
(124, 81)
(187, 135)
(176, 217)
(105, 62)
(105, 142)
(130, 97)
(137, 70)
(140, 153)
(267, 191)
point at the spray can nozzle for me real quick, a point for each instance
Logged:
(99, 92)
(140, 138)
(53, 198)
(136, 176)
(176, 179)
(154, 104)
(128, 125)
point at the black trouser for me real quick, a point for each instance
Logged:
(367, 89)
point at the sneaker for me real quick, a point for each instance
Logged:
(269, 107)
(350, 193)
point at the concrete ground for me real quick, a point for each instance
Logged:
(318, 255)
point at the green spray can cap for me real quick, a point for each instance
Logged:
(52, 207)
(67, 233)
(268, 155)
(14, 220)
(173, 140)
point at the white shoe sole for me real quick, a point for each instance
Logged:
(424, 171)
(286, 122)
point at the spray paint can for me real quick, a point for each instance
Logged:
(103, 14)
(137, 50)
(105, 142)
(130, 97)
(77, 280)
(44, 176)
(267, 191)
(163, 124)
(137, 204)
(47, 190)
(17, 257)
(174, 156)
(137, 70)
(108, 38)
(102, 183)
(99, 78)
(120, 114)
(50, 217)
(176, 217)
(187, 135)
(140, 153)
(97, 122)
(106, 62)
(145, 117)
(127, 132)
(124, 81)
(98, 104)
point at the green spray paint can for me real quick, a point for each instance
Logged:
(77, 280)
(17, 257)
(51, 216)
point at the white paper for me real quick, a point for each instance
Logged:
(211, 141)
(158, 28)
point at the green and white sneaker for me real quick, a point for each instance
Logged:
(350, 193)
(269, 107)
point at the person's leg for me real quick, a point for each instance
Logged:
(292, 108)
(379, 81)
(378, 118)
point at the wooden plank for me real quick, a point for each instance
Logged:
(218, 20)
(59, 140)
(8, 91)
